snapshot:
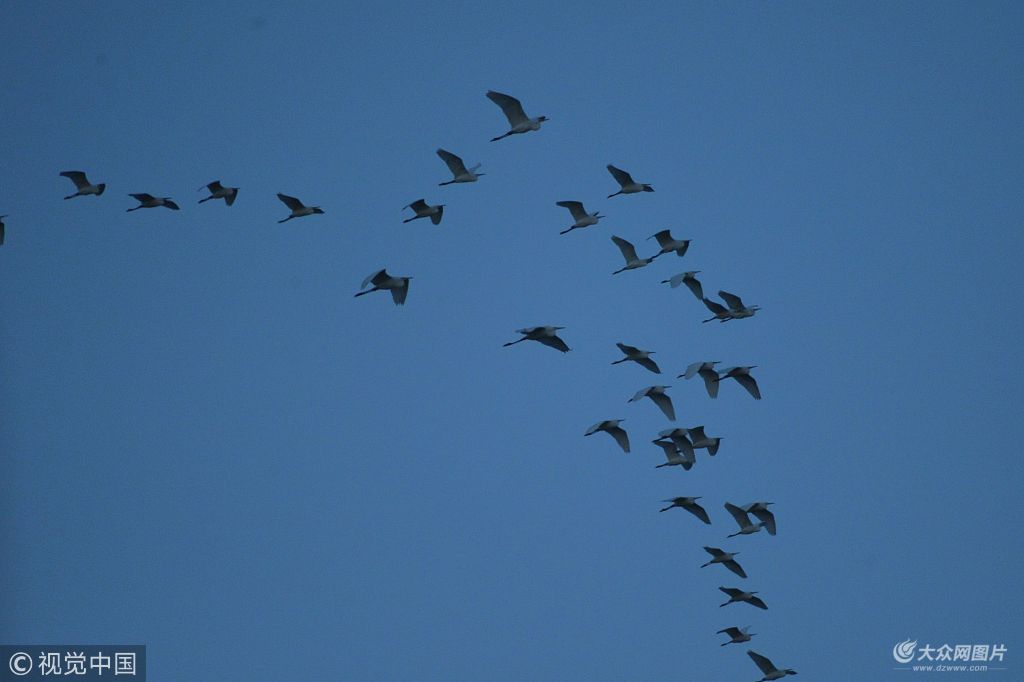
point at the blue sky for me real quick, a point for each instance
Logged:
(210, 447)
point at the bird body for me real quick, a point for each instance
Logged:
(425, 210)
(219, 191)
(674, 456)
(690, 505)
(579, 215)
(691, 282)
(459, 171)
(612, 428)
(736, 595)
(726, 559)
(626, 183)
(701, 441)
(298, 209)
(82, 185)
(629, 254)
(670, 245)
(771, 673)
(150, 201)
(547, 335)
(706, 371)
(763, 514)
(743, 378)
(658, 397)
(736, 635)
(382, 281)
(518, 121)
(640, 357)
(742, 520)
(682, 443)
(737, 309)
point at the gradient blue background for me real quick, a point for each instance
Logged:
(210, 447)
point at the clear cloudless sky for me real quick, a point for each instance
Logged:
(211, 448)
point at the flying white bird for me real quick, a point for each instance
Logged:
(459, 171)
(682, 443)
(707, 372)
(640, 357)
(742, 520)
(425, 210)
(612, 428)
(726, 559)
(658, 397)
(579, 214)
(691, 282)
(690, 505)
(701, 441)
(743, 378)
(668, 244)
(737, 635)
(763, 514)
(298, 209)
(629, 254)
(546, 335)
(736, 595)
(771, 673)
(2, 229)
(626, 183)
(219, 191)
(83, 185)
(518, 121)
(736, 308)
(382, 281)
(150, 201)
(674, 457)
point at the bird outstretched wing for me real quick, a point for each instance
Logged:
(291, 202)
(627, 249)
(621, 176)
(455, 164)
(510, 106)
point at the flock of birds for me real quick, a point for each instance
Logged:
(679, 445)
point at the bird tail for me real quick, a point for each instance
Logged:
(567, 231)
(206, 199)
(669, 507)
(285, 220)
(442, 184)
(409, 220)
(363, 293)
(71, 196)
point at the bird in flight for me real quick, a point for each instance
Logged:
(579, 215)
(518, 121)
(546, 335)
(742, 520)
(726, 559)
(219, 191)
(670, 245)
(640, 357)
(763, 514)
(771, 673)
(743, 378)
(675, 456)
(629, 254)
(150, 201)
(737, 310)
(2, 229)
(298, 209)
(736, 635)
(658, 397)
(425, 210)
(736, 596)
(459, 171)
(612, 428)
(382, 281)
(82, 185)
(707, 372)
(626, 183)
(691, 282)
(690, 505)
